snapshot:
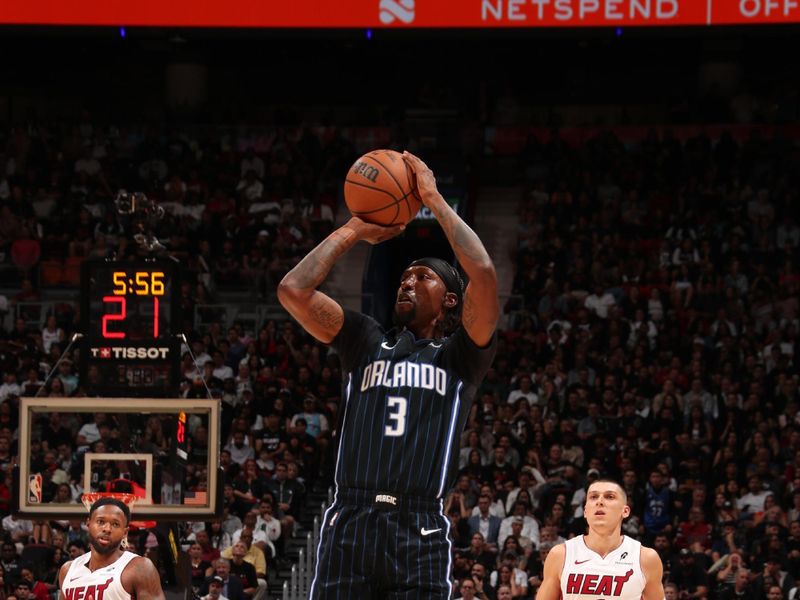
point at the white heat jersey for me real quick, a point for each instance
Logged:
(103, 584)
(587, 576)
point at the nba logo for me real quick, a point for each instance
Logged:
(35, 489)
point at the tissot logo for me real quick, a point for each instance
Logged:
(397, 10)
(131, 352)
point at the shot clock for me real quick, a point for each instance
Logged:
(147, 290)
(128, 322)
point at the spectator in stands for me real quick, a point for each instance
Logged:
(694, 533)
(253, 555)
(268, 525)
(231, 585)
(249, 485)
(245, 572)
(250, 187)
(5, 587)
(599, 302)
(241, 453)
(286, 494)
(467, 589)
(200, 569)
(480, 551)
(690, 575)
(658, 505)
(212, 539)
(18, 531)
(752, 501)
(38, 589)
(773, 574)
(484, 522)
(9, 561)
(255, 537)
(22, 590)
(89, 433)
(316, 423)
(741, 589)
(10, 386)
(499, 471)
(530, 526)
(67, 377)
(215, 585)
(51, 334)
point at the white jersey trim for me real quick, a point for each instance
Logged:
(450, 432)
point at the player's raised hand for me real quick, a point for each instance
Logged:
(422, 177)
(372, 233)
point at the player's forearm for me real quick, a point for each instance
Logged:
(310, 272)
(466, 244)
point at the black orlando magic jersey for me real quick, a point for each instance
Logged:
(406, 402)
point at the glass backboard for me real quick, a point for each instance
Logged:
(165, 451)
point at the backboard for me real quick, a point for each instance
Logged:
(165, 451)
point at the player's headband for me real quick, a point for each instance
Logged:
(446, 272)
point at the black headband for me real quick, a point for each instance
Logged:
(446, 272)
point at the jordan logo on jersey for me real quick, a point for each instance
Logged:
(596, 585)
(404, 374)
(87, 592)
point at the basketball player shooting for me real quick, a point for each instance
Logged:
(408, 394)
(603, 563)
(107, 572)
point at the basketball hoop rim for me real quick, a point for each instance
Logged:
(89, 498)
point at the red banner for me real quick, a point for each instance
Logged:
(399, 13)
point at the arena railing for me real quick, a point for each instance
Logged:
(298, 586)
(33, 313)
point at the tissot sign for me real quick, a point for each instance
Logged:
(399, 13)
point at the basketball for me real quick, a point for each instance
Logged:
(379, 189)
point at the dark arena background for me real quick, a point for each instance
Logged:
(632, 167)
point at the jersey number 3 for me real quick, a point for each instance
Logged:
(397, 416)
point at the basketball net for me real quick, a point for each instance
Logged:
(89, 498)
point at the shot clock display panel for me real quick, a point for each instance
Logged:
(128, 301)
(128, 322)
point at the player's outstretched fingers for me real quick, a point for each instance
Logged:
(423, 177)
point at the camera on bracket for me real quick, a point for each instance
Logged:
(142, 215)
(133, 203)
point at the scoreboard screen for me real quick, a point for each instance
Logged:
(128, 321)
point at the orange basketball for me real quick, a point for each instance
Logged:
(379, 189)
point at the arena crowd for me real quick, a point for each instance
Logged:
(650, 338)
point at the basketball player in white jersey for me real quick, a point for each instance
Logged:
(107, 572)
(603, 563)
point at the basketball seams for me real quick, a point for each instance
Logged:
(402, 189)
(368, 200)
(389, 171)
(394, 202)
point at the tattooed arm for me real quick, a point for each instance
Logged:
(141, 580)
(481, 306)
(319, 314)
